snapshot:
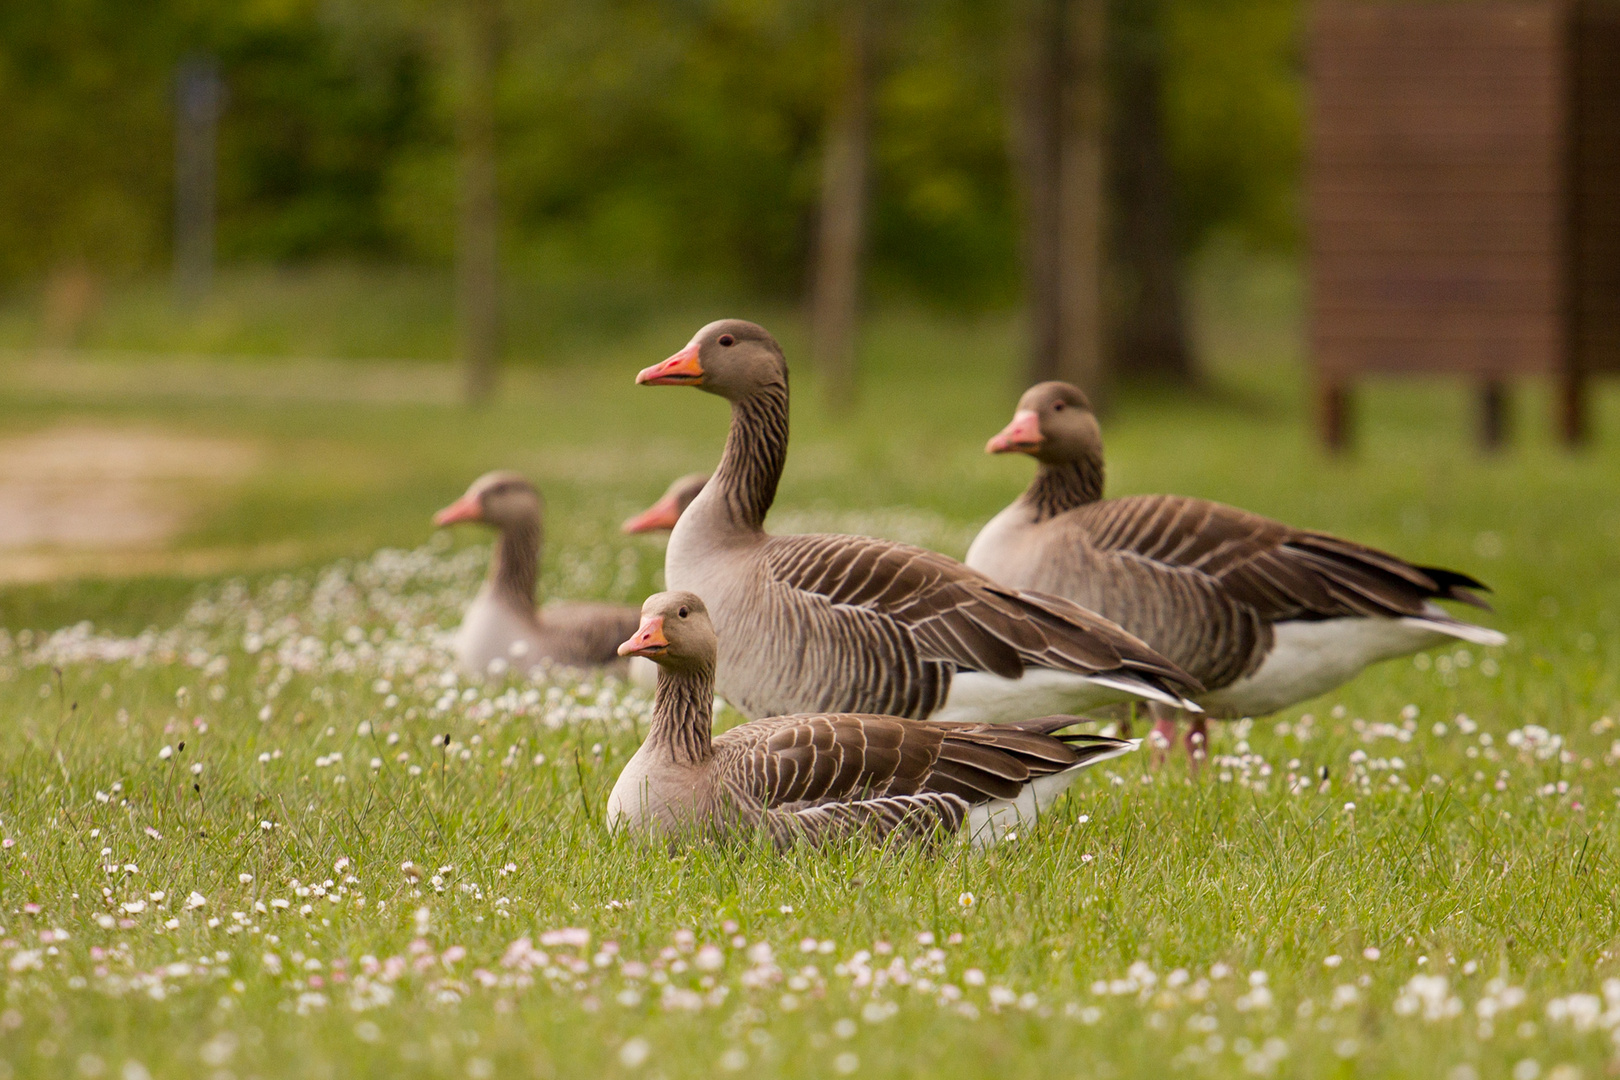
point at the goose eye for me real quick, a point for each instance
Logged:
(727, 340)
(682, 613)
(1058, 407)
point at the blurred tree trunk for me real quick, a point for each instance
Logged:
(1149, 332)
(478, 280)
(1059, 149)
(840, 241)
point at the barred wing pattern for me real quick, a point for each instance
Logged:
(1281, 572)
(898, 621)
(818, 777)
(900, 819)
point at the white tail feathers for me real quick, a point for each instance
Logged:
(1465, 631)
(988, 822)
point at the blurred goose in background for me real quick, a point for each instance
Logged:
(664, 513)
(825, 777)
(834, 623)
(502, 626)
(1263, 614)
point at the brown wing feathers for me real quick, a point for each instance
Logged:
(960, 616)
(902, 818)
(793, 762)
(1282, 572)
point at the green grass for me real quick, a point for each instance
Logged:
(1125, 935)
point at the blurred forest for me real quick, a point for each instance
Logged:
(674, 139)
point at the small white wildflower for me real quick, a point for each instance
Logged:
(967, 900)
(166, 753)
(634, 1053)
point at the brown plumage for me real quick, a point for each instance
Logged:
(821, 777)
(502, 626)
(855, 624)
(1263, 614)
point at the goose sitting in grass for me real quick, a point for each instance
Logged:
(502, 628)
(1263, 614)
(835, 623)
(824, 777)
(663, 514)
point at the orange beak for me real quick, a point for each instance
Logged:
(662, 514)
(682, 369)
(1023, 435)
(649, 640)
(465, 508)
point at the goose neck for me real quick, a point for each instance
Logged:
(683, 715)
(516, 568)
(1062, 486)
(756, 450)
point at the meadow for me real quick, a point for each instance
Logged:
(253, 825)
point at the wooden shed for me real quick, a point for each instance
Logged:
(1464, 197)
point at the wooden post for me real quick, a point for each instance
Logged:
(1333, 412)
(1148, 335)
(199, 95)
(478, 284)
(835, 298)
(1082, 202)
(1571, 406)
(1493, 413)
(1059, 139)
(1036, 72)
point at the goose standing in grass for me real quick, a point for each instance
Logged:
(664, 513)
(502, 627)
(1263, 614)
(840, 623)
(825, 777)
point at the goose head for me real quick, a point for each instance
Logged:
(732, 358)
(502, 499)
(664, 513)
(1053, 424)
(675, 633)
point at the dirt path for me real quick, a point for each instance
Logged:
(82, 498)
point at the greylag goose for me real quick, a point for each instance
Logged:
(1263, 614)
(664, 513)
(833, 623)
(502, 629)
(827, 776)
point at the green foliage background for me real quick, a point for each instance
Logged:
(657, 138)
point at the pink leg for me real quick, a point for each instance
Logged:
(1197, 741)
(1163, 737)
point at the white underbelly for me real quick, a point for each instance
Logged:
(489, 632)
(979, 697)
(630, 802)
(988, 822)
(1311, 658)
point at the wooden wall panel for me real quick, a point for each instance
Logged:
(1596, 178)
(1436, 186)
